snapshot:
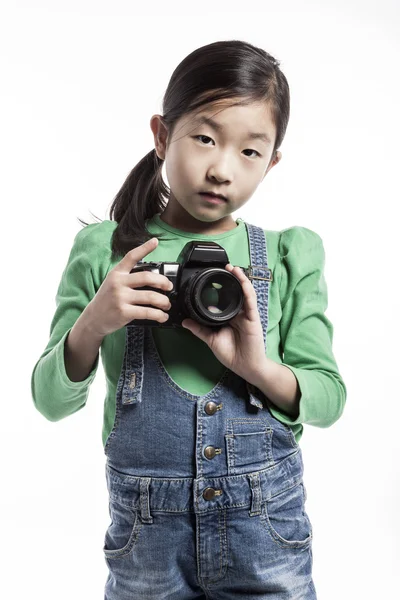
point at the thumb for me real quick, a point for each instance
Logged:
(203, 333)
(132, 257)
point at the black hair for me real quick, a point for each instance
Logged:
(223, 69)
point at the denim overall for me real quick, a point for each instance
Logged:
(206, 493)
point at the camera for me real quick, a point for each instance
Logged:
(203, 290)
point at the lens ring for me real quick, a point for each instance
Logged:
(232, 294)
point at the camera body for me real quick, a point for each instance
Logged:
(203, 289)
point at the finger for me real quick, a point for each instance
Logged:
(204, 333)
(250, 296)
(132, 257)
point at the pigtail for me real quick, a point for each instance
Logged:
(140, 198)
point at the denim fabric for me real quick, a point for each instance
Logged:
(206, 493)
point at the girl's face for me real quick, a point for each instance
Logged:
(224, 159)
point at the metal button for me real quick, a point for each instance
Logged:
(210, 493)
(212, 408)
(210, 451)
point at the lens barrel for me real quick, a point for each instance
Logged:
(213, 296)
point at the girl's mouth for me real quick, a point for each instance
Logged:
(212, 199)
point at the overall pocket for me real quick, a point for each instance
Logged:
(248, 445)
(285, 518)
(123, 531)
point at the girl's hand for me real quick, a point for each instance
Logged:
(117, 301)
(240, 344)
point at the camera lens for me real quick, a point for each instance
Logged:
(214, 296)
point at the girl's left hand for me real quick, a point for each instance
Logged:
(239, 346)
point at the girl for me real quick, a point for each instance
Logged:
(201, 425)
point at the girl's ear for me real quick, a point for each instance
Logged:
(278, 157)
(160, 133)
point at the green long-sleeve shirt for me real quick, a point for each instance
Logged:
(299, 334)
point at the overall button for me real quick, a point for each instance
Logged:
(210, 451)
(212, 408)
(210, 493)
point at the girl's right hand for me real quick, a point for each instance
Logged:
(117, 302)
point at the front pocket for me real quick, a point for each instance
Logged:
(123, 531)
(285, 518)
(248, 445)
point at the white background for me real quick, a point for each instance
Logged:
(80, 82)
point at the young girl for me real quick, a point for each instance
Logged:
(201, 424)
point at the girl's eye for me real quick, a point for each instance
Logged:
(206, 136)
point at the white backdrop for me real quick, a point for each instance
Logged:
(80, 81)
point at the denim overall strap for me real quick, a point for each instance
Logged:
(258, 272)
(131, 383)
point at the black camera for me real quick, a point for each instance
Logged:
(203, 289)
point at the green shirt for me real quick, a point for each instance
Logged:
(299, 334)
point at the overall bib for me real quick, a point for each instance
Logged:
(206, 493)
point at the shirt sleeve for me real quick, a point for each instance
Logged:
(54, 395)
(306, 332)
